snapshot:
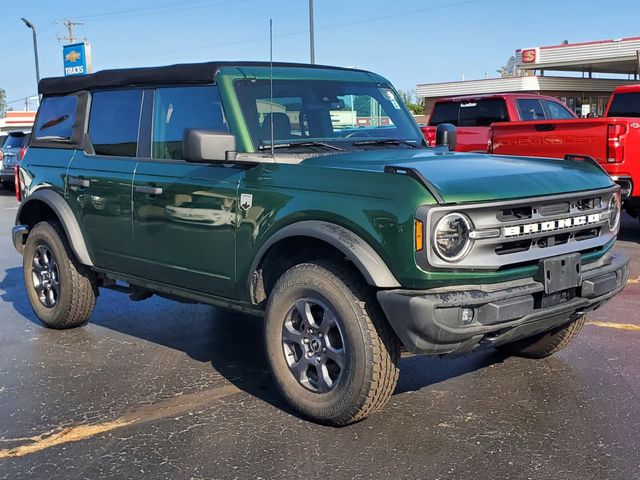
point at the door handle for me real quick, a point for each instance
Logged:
(149, 190)
(547, 127)
(79, 182)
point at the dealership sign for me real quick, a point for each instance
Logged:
(77, 59)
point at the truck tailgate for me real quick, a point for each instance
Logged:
(551, 138)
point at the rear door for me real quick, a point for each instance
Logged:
(185, 214)
(99, 182)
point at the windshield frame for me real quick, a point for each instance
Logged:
(247, 99)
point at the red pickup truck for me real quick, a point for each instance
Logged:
(612, 140)
(474, 114)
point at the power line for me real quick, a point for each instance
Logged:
(305, 32)
(155, 9)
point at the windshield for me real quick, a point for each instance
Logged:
(311, 112)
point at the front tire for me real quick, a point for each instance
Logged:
(331, 352)
(62, 292)
(545, 344)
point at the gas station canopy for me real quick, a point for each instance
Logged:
(605, 56)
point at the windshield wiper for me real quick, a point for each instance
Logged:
(301, 144)
(384, 141)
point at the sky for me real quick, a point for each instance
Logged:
(407, 41)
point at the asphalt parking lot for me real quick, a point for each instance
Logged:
(157, 389)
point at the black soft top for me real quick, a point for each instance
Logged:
(186, 73)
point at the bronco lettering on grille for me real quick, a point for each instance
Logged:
(552, 225)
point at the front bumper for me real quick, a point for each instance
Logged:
(430, 321)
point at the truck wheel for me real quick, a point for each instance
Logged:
(332, 353)
(61, 291)
(545, 344)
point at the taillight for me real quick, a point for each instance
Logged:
(430, 136)
(22, 153)
(16, 182)
(615, 148)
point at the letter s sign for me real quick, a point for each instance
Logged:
(530, 55)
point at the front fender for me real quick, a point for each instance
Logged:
(363, 256)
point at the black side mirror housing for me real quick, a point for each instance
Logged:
(446, 135)
(209, 146)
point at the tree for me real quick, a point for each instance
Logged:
(3, 102)
(411, 101)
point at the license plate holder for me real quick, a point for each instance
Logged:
(561, 273)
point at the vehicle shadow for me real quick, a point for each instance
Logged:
(12, 292)
(232, 343)
(629, 229)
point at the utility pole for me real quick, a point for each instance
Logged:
(35, 47)
(312, 45)
(68, 24)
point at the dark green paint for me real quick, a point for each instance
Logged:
(197, 238)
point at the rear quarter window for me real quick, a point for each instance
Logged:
(56, 117)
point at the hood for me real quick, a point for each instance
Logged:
(465, 177)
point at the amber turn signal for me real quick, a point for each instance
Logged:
(419, 235)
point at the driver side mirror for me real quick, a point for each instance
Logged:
(209, 146)
(446, 135)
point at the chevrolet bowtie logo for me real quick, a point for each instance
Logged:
(72, 56)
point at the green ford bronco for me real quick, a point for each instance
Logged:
(306, 195)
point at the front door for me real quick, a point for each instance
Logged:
(99, 183)
(185, 214)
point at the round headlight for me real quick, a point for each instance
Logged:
(451, 237)
(614, 212)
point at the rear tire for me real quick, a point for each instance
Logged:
(62, 292)
(351, 371)
(545, 344)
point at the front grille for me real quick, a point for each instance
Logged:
(524, 231)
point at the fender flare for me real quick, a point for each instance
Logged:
(358, 251)
(68, 220)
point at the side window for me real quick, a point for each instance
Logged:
(55, 118)
(179, 108)
(114, 122)
(530, 109)
(483, 113)
(445, 112)
(556, 111)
